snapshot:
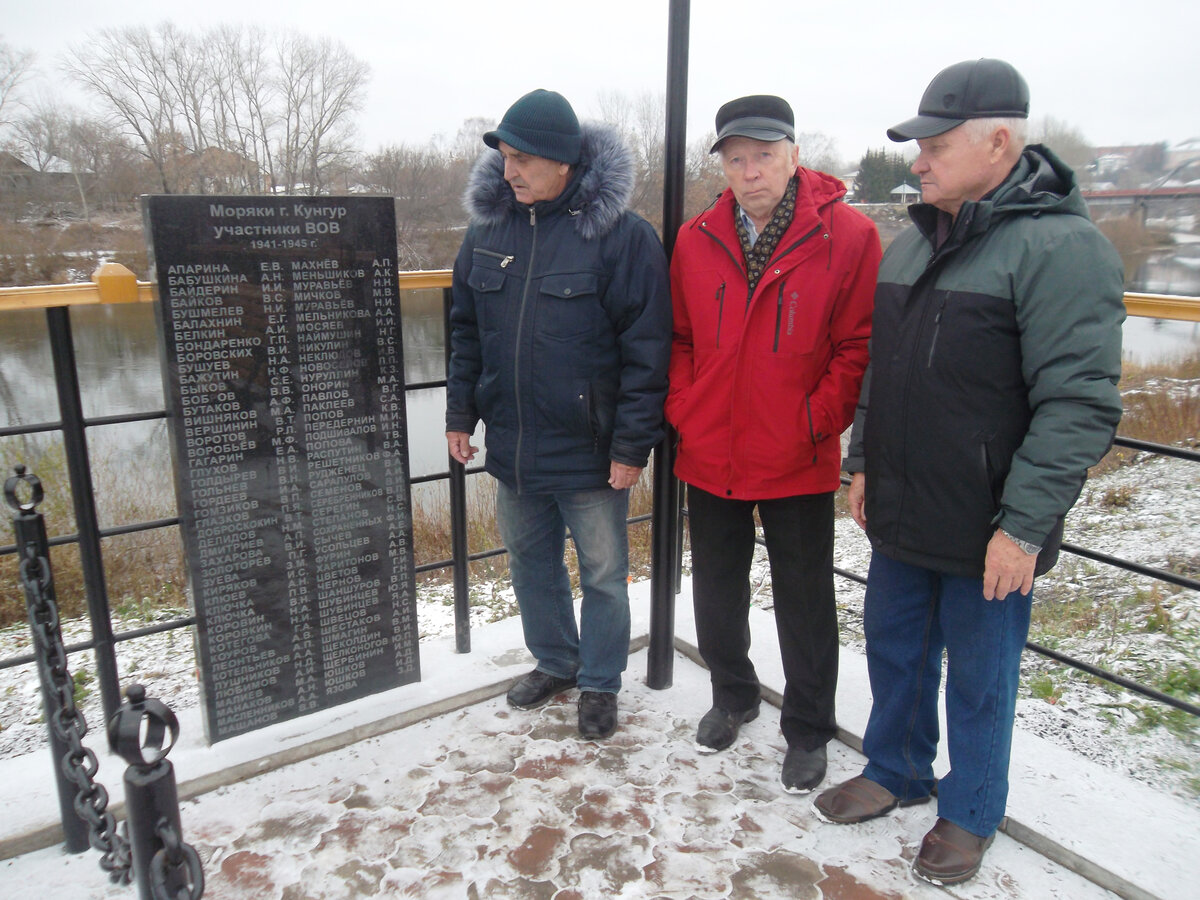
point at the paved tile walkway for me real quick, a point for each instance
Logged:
(490, 802)
(439, 790)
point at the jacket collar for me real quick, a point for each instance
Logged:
(597, 195)
(1039, 183)
(815, 191)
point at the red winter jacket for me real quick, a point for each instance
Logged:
(763, 387)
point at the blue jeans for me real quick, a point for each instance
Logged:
(910, 616)
(533, 527)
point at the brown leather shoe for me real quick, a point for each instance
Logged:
(950, 854)
(858, 800)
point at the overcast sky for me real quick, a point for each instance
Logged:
(1119, 72)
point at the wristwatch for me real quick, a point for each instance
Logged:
(1027, 546)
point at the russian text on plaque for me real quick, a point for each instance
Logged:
(279, 323)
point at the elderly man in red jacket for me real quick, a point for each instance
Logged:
(772, 289)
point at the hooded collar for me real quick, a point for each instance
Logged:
(597, 194)
(815, 191)
(1040, 183)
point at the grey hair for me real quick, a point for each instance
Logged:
(979, 129)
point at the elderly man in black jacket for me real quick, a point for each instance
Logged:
(992, 387)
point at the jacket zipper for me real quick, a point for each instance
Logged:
(801, 240)
(937, 327)
(779, 315)
(720, 310)
(750, 296)
(517, 353)
(504, 260)
(812, 435)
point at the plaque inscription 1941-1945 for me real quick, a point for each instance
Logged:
(283, 366)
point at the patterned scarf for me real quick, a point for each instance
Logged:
(758, 255)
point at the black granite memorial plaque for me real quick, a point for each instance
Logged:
(280, 332)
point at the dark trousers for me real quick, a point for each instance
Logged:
(799, 537)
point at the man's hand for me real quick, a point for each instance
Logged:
(1007, 568)
(856, 497)
(621, 476)
(459, 444)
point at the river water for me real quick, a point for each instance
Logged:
(117, 356)
(118, 360)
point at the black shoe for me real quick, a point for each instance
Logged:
(597, 714)
(803, 770)
(719, 727)
(536, 688)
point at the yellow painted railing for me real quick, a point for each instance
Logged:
(113, 283)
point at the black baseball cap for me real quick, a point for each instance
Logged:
(762, 117)
(973, 89)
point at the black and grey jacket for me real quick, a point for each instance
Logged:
(560, 325)
(992, 385)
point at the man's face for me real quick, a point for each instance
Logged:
(955, 169)
(533, 178)
(758, 173)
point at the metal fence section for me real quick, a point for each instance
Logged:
(114, 284)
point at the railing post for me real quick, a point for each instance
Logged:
(162, 864)
(79, 470)
(665, 526)
(459, 550)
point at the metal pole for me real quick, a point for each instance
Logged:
(665, 528)
(459, 550)
(79, 468)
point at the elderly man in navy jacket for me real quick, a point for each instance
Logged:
(560, 338)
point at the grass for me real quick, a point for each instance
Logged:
(144, 569)
(1158, 408)
(56, 253)
(1097, 612)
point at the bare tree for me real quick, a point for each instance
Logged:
(217, 111)
(1064, 139)
(321, 85)
(125, 70)
(641, 122)
(818, 151)
(427, 184)
(39, 134)
(15, 66)
(113, 171)
(468, 142)
(244, 106)
(704, 180)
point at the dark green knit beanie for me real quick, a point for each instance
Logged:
(541, 123)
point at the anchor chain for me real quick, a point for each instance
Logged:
(175, 857)
(79, 764)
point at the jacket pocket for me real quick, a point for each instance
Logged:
(487, 283)
(568, 305)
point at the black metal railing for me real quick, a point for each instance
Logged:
(89, 536)
(1164, 575)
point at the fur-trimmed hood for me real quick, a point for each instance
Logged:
(599, 190)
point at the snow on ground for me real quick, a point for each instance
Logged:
(1148, 512)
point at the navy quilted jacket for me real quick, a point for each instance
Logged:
(560, 325)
